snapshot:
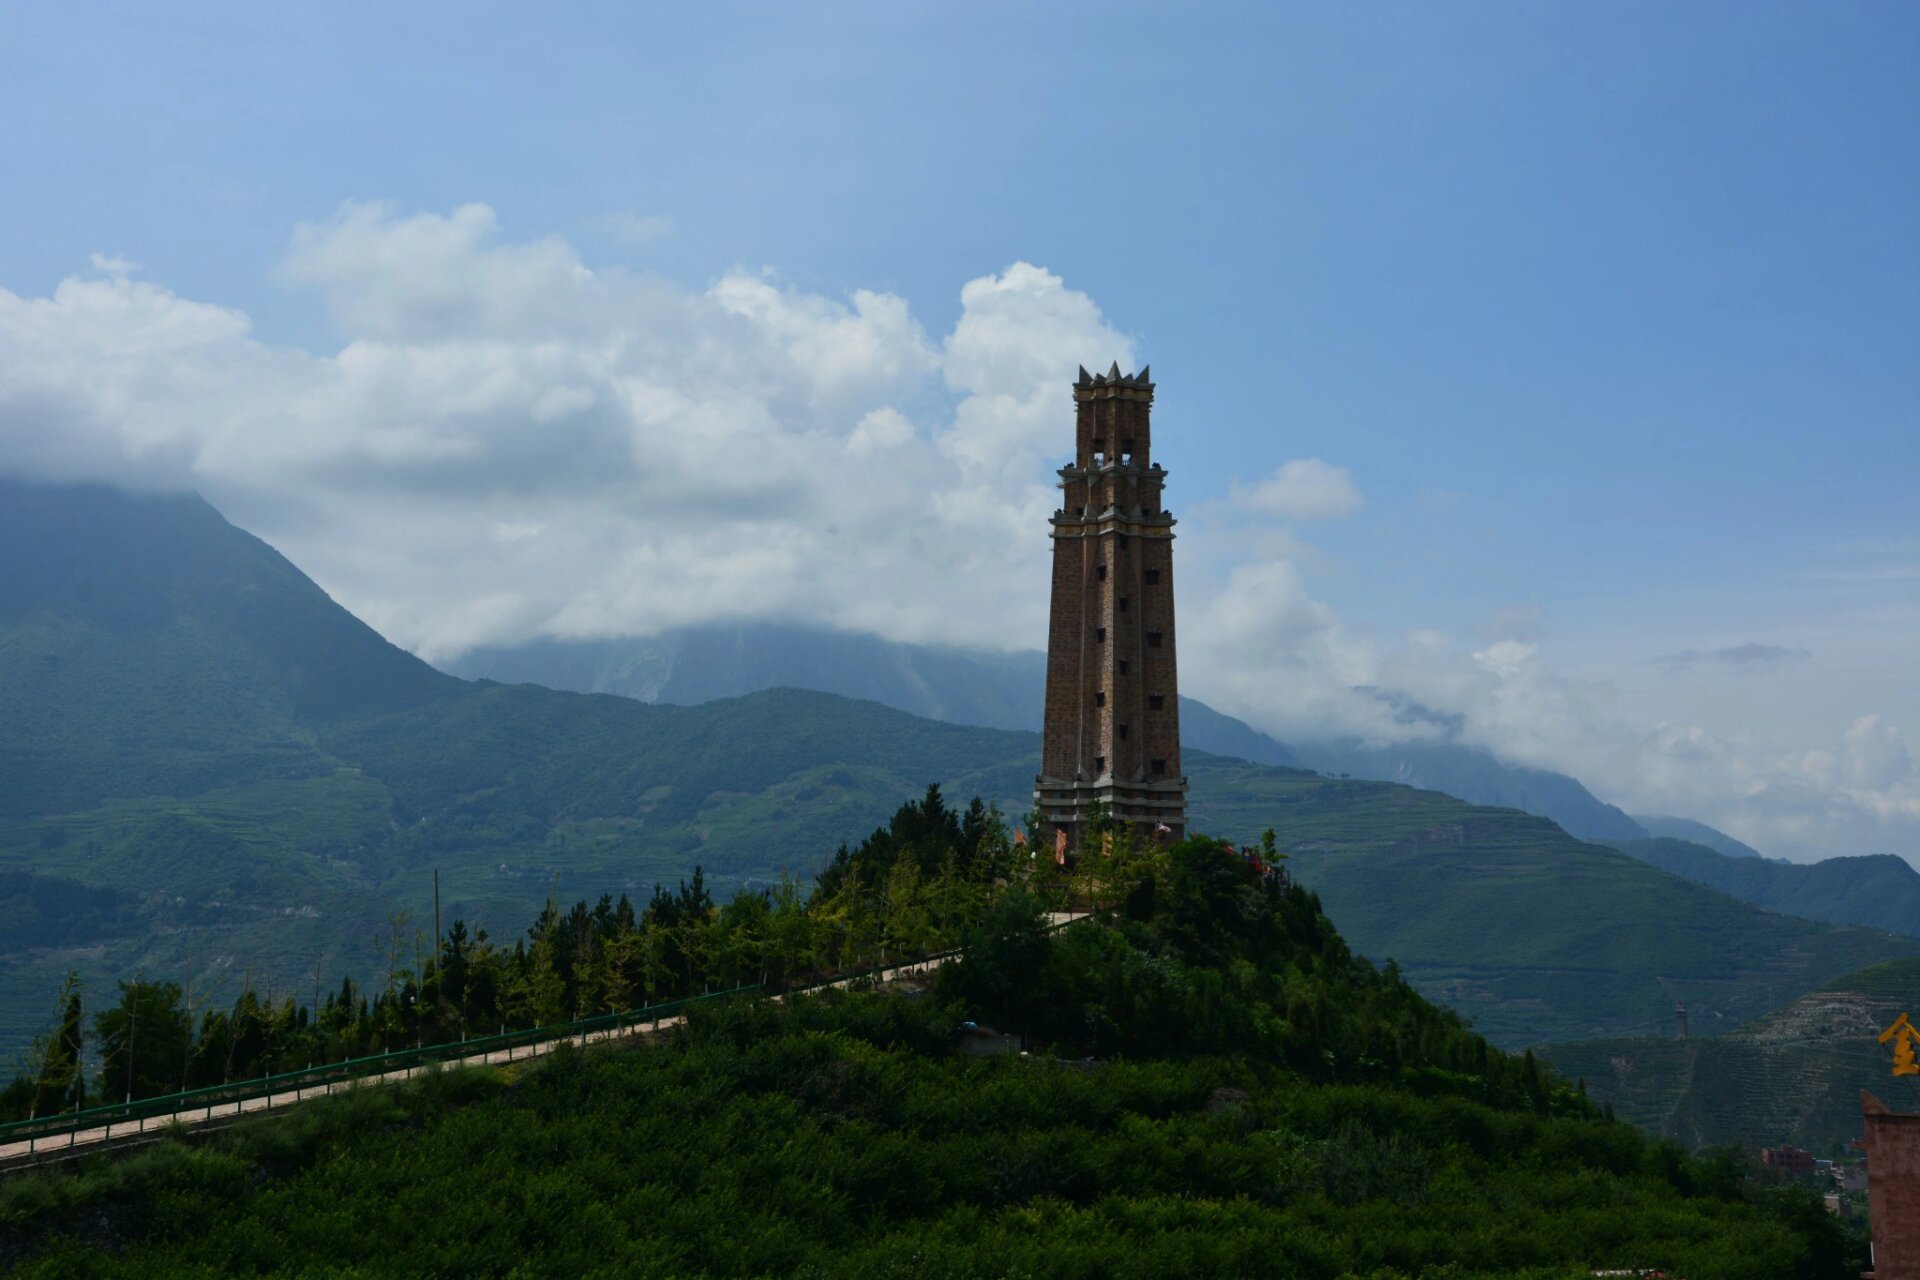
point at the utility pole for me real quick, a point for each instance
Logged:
(133, 1025)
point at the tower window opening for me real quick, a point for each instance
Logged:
(1099, 449)
(1159, 768)
(1150, 576)
(1123, 666)
(1100, 572)
(1123, 604)
(1100, 698)
(1099, 635)
(1120, 731)
(1153, 639)
(1121, 540)
(1156, 702)
(1099, 765)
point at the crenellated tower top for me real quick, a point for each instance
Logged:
(1113, 412)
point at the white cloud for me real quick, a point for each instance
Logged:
(1262, 648)
(1303, 489)
(884, 428)
(509, 443)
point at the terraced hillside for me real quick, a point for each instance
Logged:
(1794, 1075)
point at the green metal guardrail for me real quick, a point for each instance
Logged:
(237, 1093)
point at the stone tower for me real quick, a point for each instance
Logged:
(1113, 690)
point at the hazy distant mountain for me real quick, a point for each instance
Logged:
(1006, 691)
(1879, 890)
(699, 664)
(1474, 774)
(210, 769)
(1660, 826)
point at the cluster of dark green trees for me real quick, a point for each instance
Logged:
(911, 887)
(1213, 1085)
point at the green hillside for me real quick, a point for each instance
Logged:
(1879, 890)
(1212, 1084)
(256, 781)
(1794, 1075)
(1505, 917)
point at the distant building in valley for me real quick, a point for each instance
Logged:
(1788, 1160)
(1112, 731)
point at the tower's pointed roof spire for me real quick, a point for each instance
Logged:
(1142, 375)
(1113, 374)
(1085, 377)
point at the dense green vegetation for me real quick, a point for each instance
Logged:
(1215, 1084)
(913, 886)
(1879, 890)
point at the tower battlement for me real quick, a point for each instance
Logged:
(1112, 383)
(1113, 702)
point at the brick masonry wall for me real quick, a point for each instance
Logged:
(1893, 1189)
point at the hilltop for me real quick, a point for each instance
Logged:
(216, 773)
(1211, 1083)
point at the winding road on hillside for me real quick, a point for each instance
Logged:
(25, 1154)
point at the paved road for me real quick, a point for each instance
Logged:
(18, 1153)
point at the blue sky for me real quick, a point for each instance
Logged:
(1611, 311)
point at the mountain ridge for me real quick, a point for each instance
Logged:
(1001, 690)
(1880, 891)
(259, 818)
